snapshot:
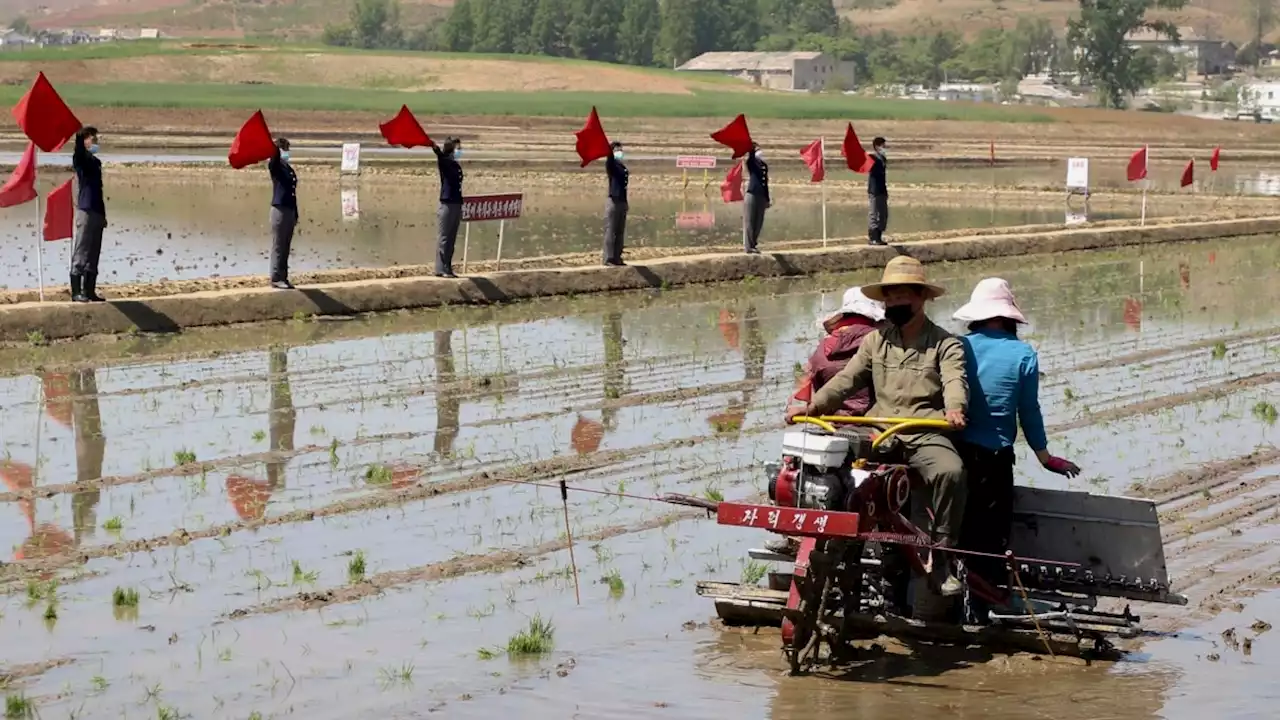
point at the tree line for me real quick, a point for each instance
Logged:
(664, 33)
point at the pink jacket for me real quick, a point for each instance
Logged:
(833, 353)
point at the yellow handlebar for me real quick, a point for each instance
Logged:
(828, 423)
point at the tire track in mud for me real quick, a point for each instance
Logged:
(14, 673)
(1160, 353)
(1213, 391)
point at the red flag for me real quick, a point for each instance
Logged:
(812, 156)
(804, 391)
(404, 130)
(44, 117)
(731, 188)
(592, 144)
(21, 185)
(735, 136)
(1213, 159)
(1189, 175)
(1138, 165)
(854, 154)
(59, 213)
(253, 143)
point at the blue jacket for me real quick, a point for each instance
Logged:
(758, 176)
(1004, 391)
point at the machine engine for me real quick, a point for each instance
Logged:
(813, 473)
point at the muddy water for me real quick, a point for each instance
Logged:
(283, 450)
(215, 225)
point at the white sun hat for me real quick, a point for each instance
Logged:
(991, 298)
(853, 303)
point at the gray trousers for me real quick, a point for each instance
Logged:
(753, 207)
(89, 227)
(448, 219)
(615, 230)
(878, 216)
(283, 223)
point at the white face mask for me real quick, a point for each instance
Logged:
(759, 154)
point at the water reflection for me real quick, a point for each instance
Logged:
(448, 404)
(249, 496)
(754, 353)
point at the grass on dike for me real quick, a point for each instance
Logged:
(704, 102)
(522, 104)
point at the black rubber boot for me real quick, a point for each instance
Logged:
(91, 287)
(77, 293)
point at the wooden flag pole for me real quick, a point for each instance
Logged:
(823, 150)
(35, 160)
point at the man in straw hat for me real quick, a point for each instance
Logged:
(916, 370)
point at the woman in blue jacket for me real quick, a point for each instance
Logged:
(1004, 389)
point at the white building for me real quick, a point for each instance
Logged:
(778, 70)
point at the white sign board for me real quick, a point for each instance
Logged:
(351, 158)
(1078, 174)
(350, 204)
(696, 162)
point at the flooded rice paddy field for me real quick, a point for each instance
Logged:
(332, 518)
(210, 225)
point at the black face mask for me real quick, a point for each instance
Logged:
(899, 315)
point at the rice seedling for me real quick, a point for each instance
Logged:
(18, 707)
(184, 457)
(1266, 412)
(333, 453)
(99, 683)
(613, 579)
(124, 598)
(753, 572)
(713, 494)
(114, 524)
(36, 338)
(166, 712)
(356, 568)
(378, 475)
(485, 653)
(37, 591)
(51, 611)
(301, 576)
(1219, 350)
(538, 638)
(259, 436)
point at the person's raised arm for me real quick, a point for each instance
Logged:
(1032, 420)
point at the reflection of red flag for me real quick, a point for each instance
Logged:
(731, 188)
(586, 436)
(21, 186)
(404, 130)
(1213, 159)
(57, 397)
(44, 117)
(1189, 174)
(1133, 314)
(253, 143)
(812, 156)
(854, 154)
(729, 329)
(1137, 169)
(1184, 275)
(592, 144)
(248, 496)
(735, 136)
(59, 213)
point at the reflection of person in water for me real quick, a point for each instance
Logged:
(447, 402)
(249, 496)
(754, 352)
(91, 446)
(614, 370)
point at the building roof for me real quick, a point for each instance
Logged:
(1186, 34)
(730, 61)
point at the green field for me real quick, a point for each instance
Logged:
(532, 104)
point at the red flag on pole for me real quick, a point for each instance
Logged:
(731, 188)
(735, 136)
(1213, 159)
(404, 130)
(1137, 169)
(21, 186)
(44, 117)
(1189, 174)
(253, 143)
(59, 213)
(854, 154)
(592, 144)
(812, 156)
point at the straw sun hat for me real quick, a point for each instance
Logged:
(991, 298)
(853, 303)
(902, 270)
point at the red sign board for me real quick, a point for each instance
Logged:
(692, 220)
(789, 521)
(476, 208)
(699, 162)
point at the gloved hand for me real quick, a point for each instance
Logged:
(794, 410)
(1061, 466)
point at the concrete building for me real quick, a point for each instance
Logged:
(778, 70)
(1204, 56)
